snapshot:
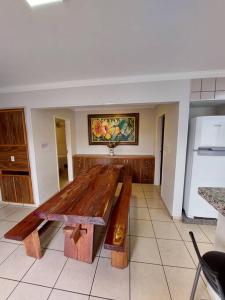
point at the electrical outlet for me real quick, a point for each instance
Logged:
(12, 158)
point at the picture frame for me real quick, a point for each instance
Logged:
(121, 129)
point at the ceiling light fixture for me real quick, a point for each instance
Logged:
(33, 3)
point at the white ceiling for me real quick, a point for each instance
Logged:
(89, 39)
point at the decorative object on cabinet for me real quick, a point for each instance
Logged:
(140, 167)
(15, 179)
(120, 128)
(111, 146)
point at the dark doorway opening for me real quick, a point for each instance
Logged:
(162, 146)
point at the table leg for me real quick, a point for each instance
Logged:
(79, 242)
(32, 245)
(120, 259)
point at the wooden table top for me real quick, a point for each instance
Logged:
(86, 200)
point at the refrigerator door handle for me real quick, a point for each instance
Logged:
(210, 152)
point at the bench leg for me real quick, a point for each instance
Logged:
(32, 245)
(120, 259)
(79, 245)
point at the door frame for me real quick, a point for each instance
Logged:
(160, 134)
(69, 148)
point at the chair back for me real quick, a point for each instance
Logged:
(211, 276)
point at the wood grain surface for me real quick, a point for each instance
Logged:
(87, 200)
(117, 229)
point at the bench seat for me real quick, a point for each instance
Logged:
(116, 237)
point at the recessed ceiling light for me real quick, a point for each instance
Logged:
(41, 2)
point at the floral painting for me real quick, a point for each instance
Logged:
(121, 129)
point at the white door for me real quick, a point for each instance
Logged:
(208, 171)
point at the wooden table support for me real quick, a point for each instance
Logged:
(32, 245)
(79, 242)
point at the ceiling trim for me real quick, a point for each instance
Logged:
(112, 81)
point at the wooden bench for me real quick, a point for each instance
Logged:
(116, 237)
(27, 229)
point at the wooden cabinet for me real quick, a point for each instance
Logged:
(16, 187)
(15, 180)
(20, 155)
(23, 189)
(8, 189)
(140, 167)
(12, 125)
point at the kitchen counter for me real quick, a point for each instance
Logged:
(215, 197)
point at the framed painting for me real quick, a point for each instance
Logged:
(121, 129)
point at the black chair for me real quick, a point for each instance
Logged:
(212, 264)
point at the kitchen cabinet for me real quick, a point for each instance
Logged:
(140, 167)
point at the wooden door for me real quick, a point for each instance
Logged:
(23, 189)
(8, 188)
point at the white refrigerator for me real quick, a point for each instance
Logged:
(205, 166)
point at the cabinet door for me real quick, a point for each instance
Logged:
(17, 127)
(147, 171)
(12, 127)
(76, 165)
(23, 189)
(4, 129)
(8, 189)
(136, 170)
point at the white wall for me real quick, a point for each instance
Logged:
(169, 154)
(45, 148)
(145, 92)
(146, 133)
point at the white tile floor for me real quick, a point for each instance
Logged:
(162, 259)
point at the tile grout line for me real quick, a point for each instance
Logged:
(10, 254)
(161, 258)
(204, 233)
(162, 263)
(19, 281)
(98, 258)
(148, 208)
(58, 277)
(191, 255)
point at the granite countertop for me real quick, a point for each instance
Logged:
(215, 197)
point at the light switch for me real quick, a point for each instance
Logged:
(12, 158)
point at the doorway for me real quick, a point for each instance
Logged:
(161, 139)
(61, 147)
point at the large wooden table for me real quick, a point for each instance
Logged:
(85, 202)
